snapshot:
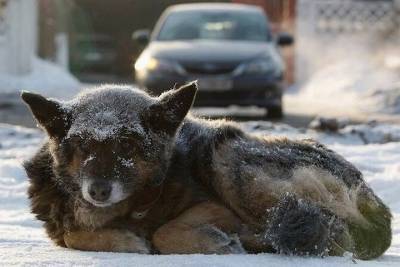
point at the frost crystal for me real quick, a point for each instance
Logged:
(126, 162)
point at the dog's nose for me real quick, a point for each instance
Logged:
(100, 191)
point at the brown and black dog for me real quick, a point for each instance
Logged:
(124, 171)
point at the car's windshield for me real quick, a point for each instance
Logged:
(215, 25)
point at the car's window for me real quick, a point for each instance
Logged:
(215, 25)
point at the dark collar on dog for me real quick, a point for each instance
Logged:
(146, 200)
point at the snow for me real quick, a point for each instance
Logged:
(46, 78)
(126, 162)
(353, 134)
(24, 242)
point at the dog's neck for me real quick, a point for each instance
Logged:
(146, 200)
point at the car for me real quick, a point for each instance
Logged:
(228, 48)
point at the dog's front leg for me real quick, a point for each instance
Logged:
(110, 240)
(206, 228)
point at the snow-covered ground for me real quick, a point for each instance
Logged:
(46, 78)
(23, 241)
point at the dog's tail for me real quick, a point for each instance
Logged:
(300, 227)
(373, 237)
(297, 227)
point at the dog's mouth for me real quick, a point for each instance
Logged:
(98, 204)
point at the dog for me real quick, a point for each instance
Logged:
(123, 171)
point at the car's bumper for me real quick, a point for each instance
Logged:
(262, 91)
(240, 98)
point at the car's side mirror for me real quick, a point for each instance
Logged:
(285, 39)
(141, 36)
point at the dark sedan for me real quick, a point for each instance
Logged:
(228, 48)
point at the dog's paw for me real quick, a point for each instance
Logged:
(233, 247)
(129, 242)
(216, 241)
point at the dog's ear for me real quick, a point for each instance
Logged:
(167, 114)
(48, 113)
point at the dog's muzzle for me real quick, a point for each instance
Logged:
(102, 193)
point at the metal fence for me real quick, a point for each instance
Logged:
(347, 16)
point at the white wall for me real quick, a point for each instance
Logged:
(18, 37)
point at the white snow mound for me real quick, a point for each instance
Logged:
(46, 78)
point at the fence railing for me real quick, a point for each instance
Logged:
(347, 16)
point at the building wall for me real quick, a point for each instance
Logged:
(280, 12)
(282, 15)
(18, 36)
(117, 20)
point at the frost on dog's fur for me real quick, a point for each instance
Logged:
(103, 112)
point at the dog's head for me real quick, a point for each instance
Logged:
(111, 143)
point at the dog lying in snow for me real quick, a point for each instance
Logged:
(122, 171)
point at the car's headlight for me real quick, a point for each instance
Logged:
(145, 63)
(258, 66)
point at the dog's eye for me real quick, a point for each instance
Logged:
(82, 148)
(126, 145)
(78, 144)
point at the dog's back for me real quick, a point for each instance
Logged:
(259, 177)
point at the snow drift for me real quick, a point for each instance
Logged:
(46, 78)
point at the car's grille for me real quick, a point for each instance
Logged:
(209, 68)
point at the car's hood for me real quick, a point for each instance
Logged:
(205, 51)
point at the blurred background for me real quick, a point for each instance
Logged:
(283, 60)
